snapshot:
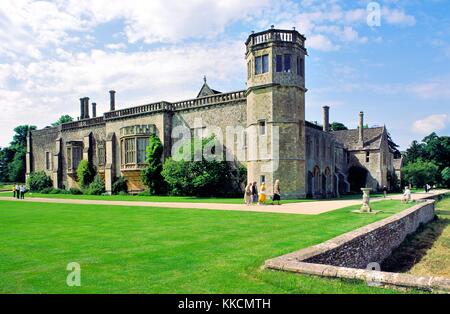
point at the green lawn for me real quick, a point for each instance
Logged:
(160, 250)
(179, 199)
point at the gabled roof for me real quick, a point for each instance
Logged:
(350, 138)
(206, 90)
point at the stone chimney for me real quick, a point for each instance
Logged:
(81, 108)
(361, 128)
(112, 98)
(326, 119)
(94, 110)
(86, 107)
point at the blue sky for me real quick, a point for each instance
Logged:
(54, 52)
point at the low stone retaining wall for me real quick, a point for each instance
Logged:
(348, 255)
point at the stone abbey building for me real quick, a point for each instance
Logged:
(310, 160)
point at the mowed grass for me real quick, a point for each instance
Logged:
(435, 239)
(161, 250)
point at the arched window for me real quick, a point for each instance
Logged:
(317, 175)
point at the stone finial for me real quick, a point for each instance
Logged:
(112, 100)
(204, 79)
(272, 26)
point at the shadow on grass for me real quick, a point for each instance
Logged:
(416, 245)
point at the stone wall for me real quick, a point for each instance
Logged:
(348, 255)
(43, 141)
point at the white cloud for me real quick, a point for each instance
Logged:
(118, 46)
(397, 17)
(45, 89)
(437, 88)
(322, 43)
(169, 20)
(50, 54)
(431, 124)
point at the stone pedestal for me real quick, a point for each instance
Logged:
(365, 208)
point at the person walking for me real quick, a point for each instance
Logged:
(17, 191)
(254, 193)
(407, 195)
(276, 193)
(22, 191)
(385, 190)
(14, 190)
(248, 194)
(262, 194)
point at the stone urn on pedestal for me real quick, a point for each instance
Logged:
(365, 208)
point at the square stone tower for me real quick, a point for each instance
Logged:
(276, 110)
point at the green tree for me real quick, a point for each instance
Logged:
(96, 187)
(337, 126)
(38, 181)
(203, 177)
(445, 174)
(151, 175)
(20, 136)
(6, 157)
(437, 149)
(12, 158)
(421, 172)
(415, 151)
(85, 173)
(17, 167)
(63, 119)
(393, 147)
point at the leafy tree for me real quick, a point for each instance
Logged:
(12, 158)
(20, 138)
(85, 173)
(119, 186)
(151, 175)
(39, 181)
(63, 119)
(17, 167)
(337, 126)
(445, 174)
(415, 151)
(6, 157)
(393, 147)
(201, 177)
(437, 149)
(96, 187)
(421, 172)
(433, 148)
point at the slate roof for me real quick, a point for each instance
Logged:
(207, 91)
(350, 138)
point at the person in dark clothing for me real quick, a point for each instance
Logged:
(385, 190)
(254, 193)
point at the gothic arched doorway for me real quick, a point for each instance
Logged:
(357, 176)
